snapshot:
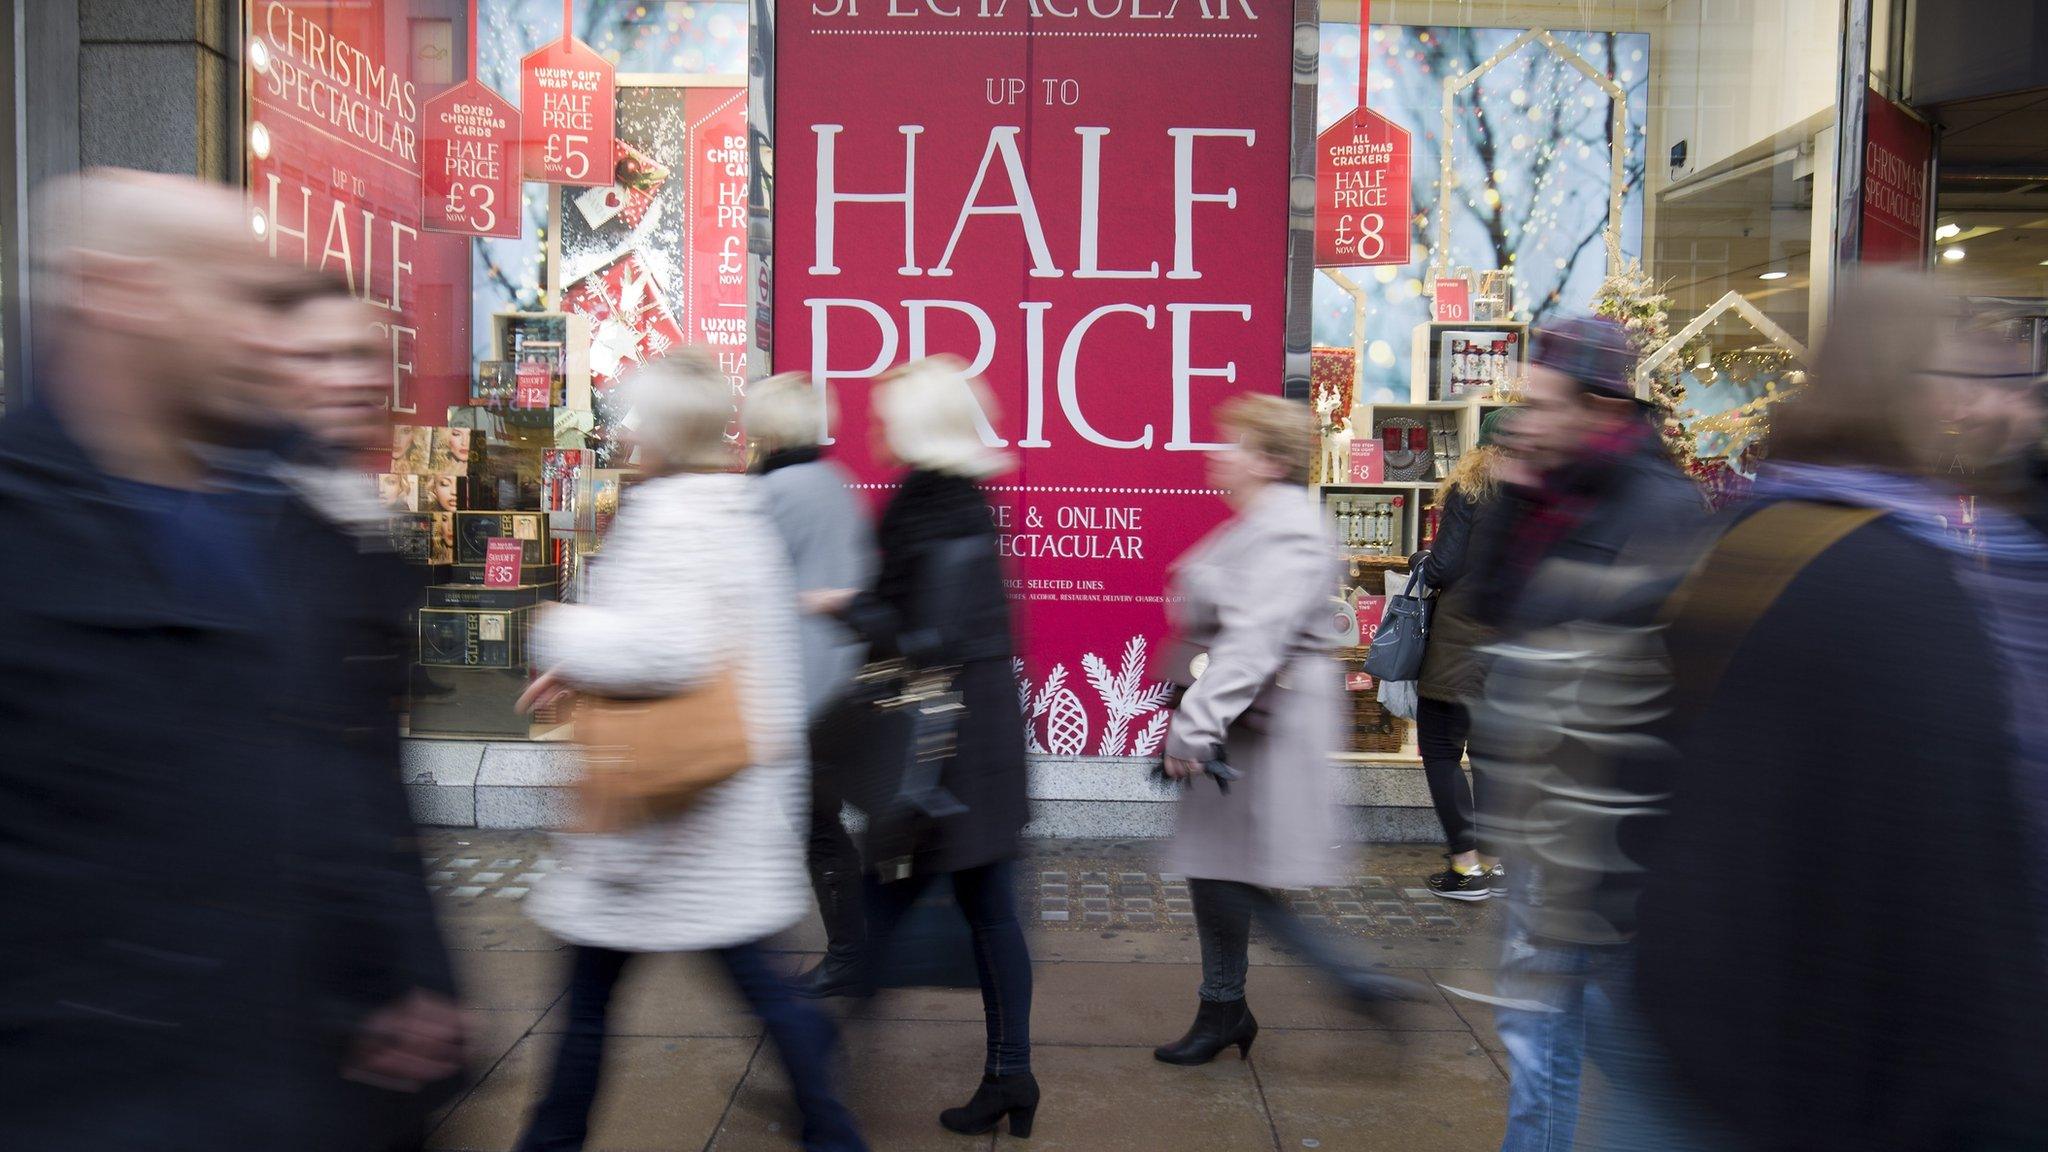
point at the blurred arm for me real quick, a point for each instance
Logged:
(1259, 618)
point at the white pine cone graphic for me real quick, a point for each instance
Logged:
(1066, 728)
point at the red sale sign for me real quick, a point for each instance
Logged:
(1363, 197)
(1898, 154)
(1051, 200)
(1452, 299)
(1368, 463)
(567, 100)
(471, 173)
(501, 562)
(334, 165)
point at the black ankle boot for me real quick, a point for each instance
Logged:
(1015, 1096)
(833, 976)
(1218, 1025)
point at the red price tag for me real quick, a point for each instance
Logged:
(568, 106)
(1358, 682)
(1368, 464)
(1363, 208)
(501, 562)
(536, 387)
(470, 174)
(1453, 301)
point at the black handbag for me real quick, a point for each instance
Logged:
(931, 945)
(1401, 639)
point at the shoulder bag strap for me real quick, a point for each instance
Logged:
(1739, 579)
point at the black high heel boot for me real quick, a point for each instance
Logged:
(1015, 1096)
(1217, 1026)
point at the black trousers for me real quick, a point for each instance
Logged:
(834, 861)
(1441, 729)
(987, 897)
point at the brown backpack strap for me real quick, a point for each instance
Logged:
(1739, 579)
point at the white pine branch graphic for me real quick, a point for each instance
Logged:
(1125, 697)
(1153, 736)
(1024, 705)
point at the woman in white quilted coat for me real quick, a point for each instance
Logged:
(692, 580)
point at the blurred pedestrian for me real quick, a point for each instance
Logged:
(1262, 699)
(1831, 781)
(1571, 574)
(1452, 667)
(693, 584)
(940, 606)
(218, 934)
(830, 547)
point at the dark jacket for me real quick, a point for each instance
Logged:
(208, 863)
(1577, 626)
(1820, 949)
(1640, 506)
(1452, 669)
(986, 772)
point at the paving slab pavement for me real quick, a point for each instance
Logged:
(688, 1068)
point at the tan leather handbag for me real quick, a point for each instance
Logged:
(646, 759)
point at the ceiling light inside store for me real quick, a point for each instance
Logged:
(1772, 275)
(1947, 230)
(1952, 253)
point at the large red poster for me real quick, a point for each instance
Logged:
(1086, 203)
(335, 141)
(1898, 152)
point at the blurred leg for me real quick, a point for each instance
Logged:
(803, 1038)
(835, 869)
(562, 1119)
(1325, 950)
(1637, 1103)
(1545, 1040)
(988, 899)
(1223, 921)
(1440, 730)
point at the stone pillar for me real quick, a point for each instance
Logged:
(158, 86)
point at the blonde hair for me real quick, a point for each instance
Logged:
(679, 408)
(1282, 431)
(784, 412)
(931, 413)
(1476, 474)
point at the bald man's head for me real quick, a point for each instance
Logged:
(157, 281)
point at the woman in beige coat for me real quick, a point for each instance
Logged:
(1251, 598)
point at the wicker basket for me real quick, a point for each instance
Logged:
(1373, 728)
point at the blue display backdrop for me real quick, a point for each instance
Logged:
(1533, 154)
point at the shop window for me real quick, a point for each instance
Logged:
(508, 305)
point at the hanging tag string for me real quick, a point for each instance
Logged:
(474, 30)
(568, 17)
(1364, 56)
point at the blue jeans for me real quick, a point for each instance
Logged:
(1638, 1103)
(988, 899)
(1546, 1041)
(803, 1036)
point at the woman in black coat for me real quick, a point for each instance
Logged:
(940, 603)
(1452, 670)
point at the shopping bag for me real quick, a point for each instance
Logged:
(1398, 697)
